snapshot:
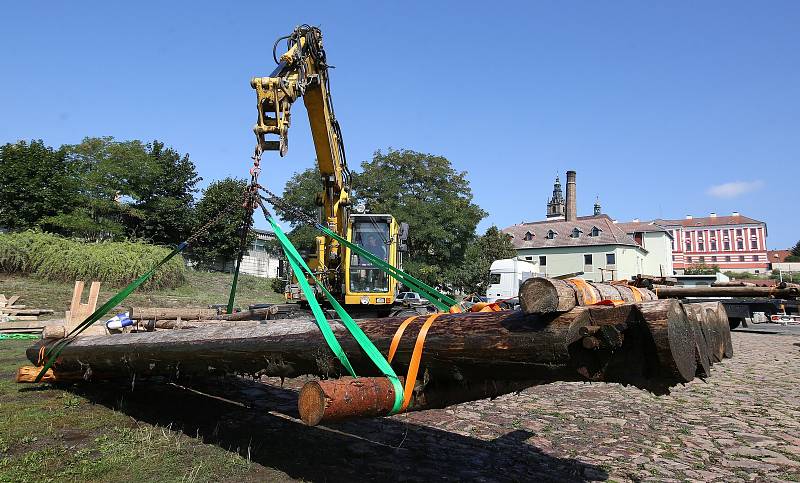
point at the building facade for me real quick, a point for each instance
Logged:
(657, 240)
(593, 247)
(258, 260)
(734, 243)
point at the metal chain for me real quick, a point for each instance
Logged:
(204, 229)
(277, 201)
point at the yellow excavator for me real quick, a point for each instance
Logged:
(302, 71)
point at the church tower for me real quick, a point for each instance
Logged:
(556, 206)
(597, 209)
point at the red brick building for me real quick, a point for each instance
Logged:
(734, 243)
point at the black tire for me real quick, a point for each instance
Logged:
(734, 322)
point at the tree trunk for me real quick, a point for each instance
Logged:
(346, 397)
(539, 295)
(141, 313)
(683, 292)
(673, 337)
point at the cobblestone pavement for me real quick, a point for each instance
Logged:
(741, 425)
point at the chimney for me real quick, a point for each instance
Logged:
(735, 213)
(572, 204)
(713, 215)
(688, 217)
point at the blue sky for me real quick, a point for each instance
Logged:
(663, 108)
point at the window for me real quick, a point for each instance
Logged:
(576, 232)
(542, 260)
(739, 245)
(671, 242)
(741, 258)
(688, 259)
(738, 232)
(755, 258)
(728, 258)
(688, 245)
(595, 231)
(702, 260)
(713, 245)
(587, 260)
(700, 245)
(528, 236)
(494, 278)
(727, 245)
(528, 258)
(673, 258)
(551, 234)
(754, 244)
(713, 259)
(611, 259)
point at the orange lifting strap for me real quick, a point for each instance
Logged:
(588, 294)
(416, 356)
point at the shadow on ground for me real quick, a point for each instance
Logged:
(261, 422)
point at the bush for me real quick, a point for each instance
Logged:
(701, 269)
(114, 263)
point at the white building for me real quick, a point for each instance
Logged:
(257, 260)
(593, 247)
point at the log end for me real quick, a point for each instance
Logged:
(311, 403)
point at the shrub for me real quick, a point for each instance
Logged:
(52, 257)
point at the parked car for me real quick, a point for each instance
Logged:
(410, 299)
(473, 299)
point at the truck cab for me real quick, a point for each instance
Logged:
(505, 277)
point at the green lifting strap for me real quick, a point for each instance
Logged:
(296, 261)
(56, 350)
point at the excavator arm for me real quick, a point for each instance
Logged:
(302, 71)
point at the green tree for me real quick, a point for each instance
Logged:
(166, 201)
(108, 177)
(35, 183)
(434, 199)
(301, 192)
(794, 253)
(701, 269)
(472, 276)
(221, 242)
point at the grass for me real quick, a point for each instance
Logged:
(49, 434)
(200, 290)
(51, 257)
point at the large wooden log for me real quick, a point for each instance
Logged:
(471, 346)
(697, 317)
(337, 399)
(673, 337)
(683, 292)
(539, 295)
(161, 313)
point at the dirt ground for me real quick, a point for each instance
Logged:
(741, 425)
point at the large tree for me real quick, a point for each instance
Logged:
(35, 183)
(794, 253)
(433, 198)
(472, 276)
(109, 176)
(301, 193)
(165, 203)
(221, 242)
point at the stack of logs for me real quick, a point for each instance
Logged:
(561, 334)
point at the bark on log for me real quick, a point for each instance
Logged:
(625, 292)
(683, 292)
(160, 313)
(458, 347)
(540, 295)
(337, 399)
(544, 295)
(697, 317)
(607, 291)
(673, 337)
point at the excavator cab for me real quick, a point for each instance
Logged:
(365, 283)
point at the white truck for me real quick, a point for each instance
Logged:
(505, 277)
